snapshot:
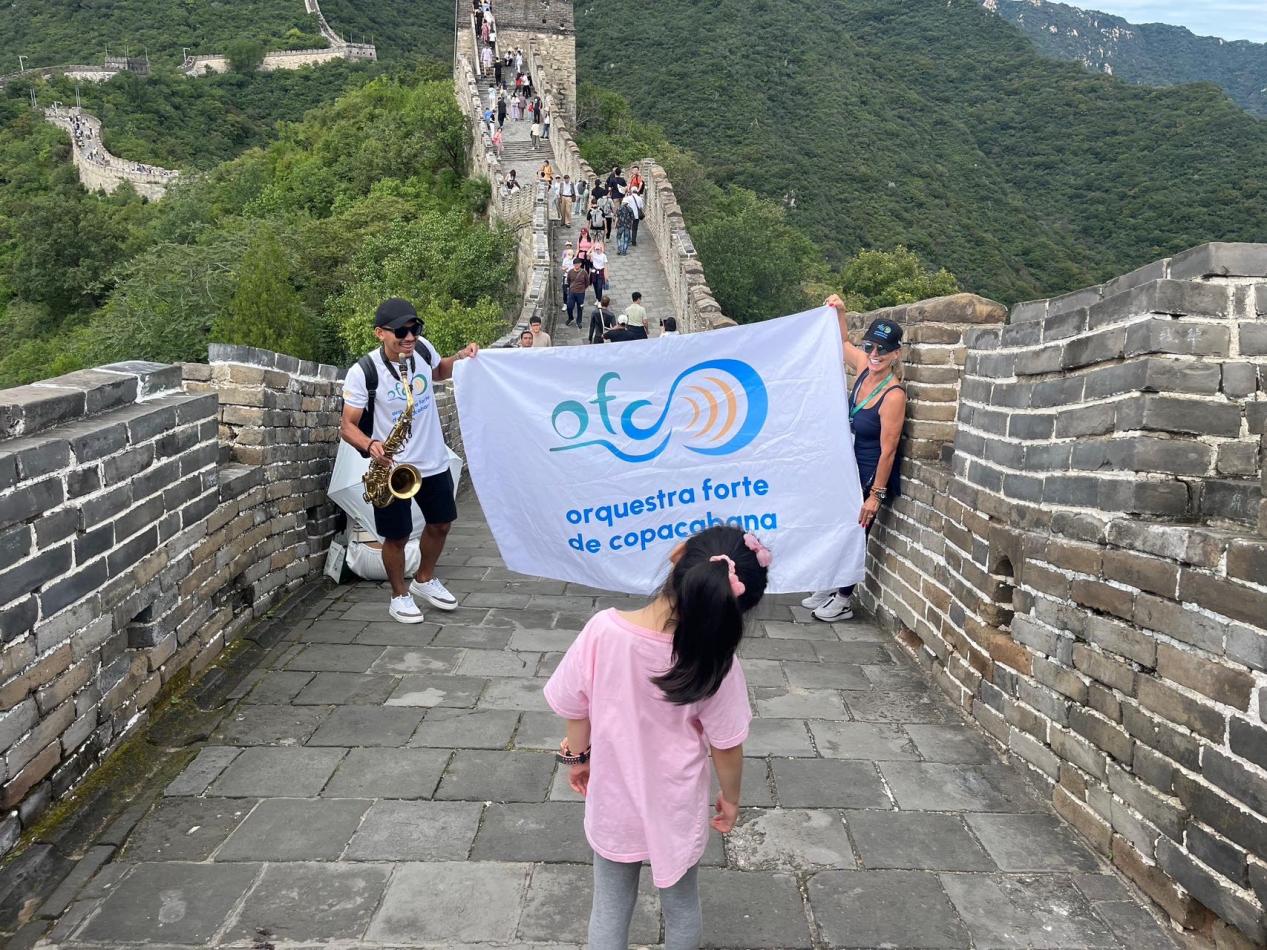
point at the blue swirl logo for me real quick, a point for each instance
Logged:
(716, 407)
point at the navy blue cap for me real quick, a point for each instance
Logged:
(885, 334)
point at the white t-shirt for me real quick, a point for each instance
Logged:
(425, 447)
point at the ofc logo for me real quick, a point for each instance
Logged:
(718, 407)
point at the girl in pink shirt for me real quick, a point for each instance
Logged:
(648, 695)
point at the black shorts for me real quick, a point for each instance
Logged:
(435, 500)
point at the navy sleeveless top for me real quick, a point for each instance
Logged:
(866, 441)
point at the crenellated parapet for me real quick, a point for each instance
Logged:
(1079, 557)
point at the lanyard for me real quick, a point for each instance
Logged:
(391, 367)
(854, 410)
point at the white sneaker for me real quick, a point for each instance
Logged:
(837, 608)
(435, 592)
(404, 610)
(817, 599)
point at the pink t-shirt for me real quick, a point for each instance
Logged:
(649, 772)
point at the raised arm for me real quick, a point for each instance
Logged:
(855, 359)
(444, 369)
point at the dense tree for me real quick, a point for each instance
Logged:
(875, 279)
(289, 246)
(265, 311)
(245, 56)
(935, 125)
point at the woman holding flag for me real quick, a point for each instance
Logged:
(877, 414)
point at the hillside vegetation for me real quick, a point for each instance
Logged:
(935, 124)
(56, 32)
(289, 246)
(1155, 54)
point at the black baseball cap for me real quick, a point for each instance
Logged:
(394, 313)
(885, 334)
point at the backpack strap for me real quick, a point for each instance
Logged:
(366, 423)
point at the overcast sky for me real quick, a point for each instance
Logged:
(1230, 19)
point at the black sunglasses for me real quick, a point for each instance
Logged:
(869, 345)
(407, 329)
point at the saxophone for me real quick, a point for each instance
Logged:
(386, 481)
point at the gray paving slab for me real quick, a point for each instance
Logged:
(185, 829)
(828, 783)
(937, 786)
(557, 906)
(476, 638)
(294, 829)
(542, 641)
(764, 672)
(494, 776)
(916, 841)
(962, 744)
(1026, 910)
(169, 902)
(433, 903)
(764, 648)
(769, 839)
(1032, 843)
(415, 831)
(367, 726)
(449, 728)
(317, 902)
(756, 791)
(278, 686)
(878, 741)
(777, 702)
(514, 693)
(269, 725)
(407, 659)
(778, 737)
(877, 706)
(391, 633)
(821, 675)
(436, 690)
(387, 773)
(339, 689)
(752, 909)
(884, 909)
(488, 663)
(202, 771)
(1133, 925)
(335, 658)
(328, 631)
(855, 653)
(550, 831)
(272, 773)
(539, 730)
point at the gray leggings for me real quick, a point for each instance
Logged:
(616, 892)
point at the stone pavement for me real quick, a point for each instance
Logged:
(376, 785)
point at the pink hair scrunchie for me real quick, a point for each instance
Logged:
(736, 585)
(753, 544)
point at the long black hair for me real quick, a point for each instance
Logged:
(708, 616)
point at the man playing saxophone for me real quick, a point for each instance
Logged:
(374, 399)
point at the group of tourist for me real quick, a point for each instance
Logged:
(653, 698)
(88, 145)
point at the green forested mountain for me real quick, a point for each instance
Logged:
(934, 124)
(288, 246)
(1156, 54)
(56, 32)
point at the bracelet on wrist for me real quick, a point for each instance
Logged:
(567, 757)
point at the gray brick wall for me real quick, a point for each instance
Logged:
(1080, 559)
(147, 515)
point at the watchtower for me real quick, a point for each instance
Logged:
(549, 25)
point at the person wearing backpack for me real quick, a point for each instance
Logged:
(373, 399)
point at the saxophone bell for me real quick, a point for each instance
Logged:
(404, 481)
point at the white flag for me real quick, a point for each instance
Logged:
(593, 462)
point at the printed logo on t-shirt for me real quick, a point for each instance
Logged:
(421, 386)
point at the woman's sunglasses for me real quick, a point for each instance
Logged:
(414, 329)
(868, 347)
